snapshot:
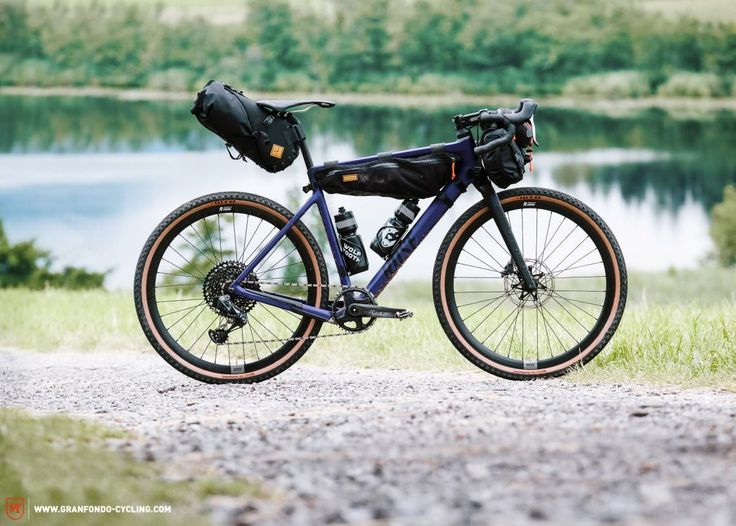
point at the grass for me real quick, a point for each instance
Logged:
(679, 327)
(56, 460)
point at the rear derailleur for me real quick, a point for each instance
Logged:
(235, 318)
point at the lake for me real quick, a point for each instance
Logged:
(89, 178)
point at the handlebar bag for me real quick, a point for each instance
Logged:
(504, 165)
(400, 178)
(267, 139)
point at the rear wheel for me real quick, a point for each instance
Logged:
(580, 274)
(187, 265)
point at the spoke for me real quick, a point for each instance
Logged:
(200, 277)
(579, 266)
(554, 293)
(177, 285)
(487, 316)
(200, 337)
(195, 247)
(472, 238)
(267, 329)
(515, 311)
(576, 306)
(571, 315)
(478, 277)
(577, 261)
(585, 238)
(202, 239)
(513, 332)
(485, 265)
(549, 255)
(235, 237)
(284, 266)
(192, 323)
(473, 266)
(261, 244)
(201, 356)
(182, 317)
(476, 302)
(279, 261)
(495, 240)
(261, 340)
(253, 340)
(175, 301)
(245, 247)
(277, 318)
(554, 234)
(219, 235)
(185, 259)
(547, 328)
(209, 238)
(488, 304)
(181, 310)
(574, 339)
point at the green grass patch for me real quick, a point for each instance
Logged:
(679, 327)
(56, 460)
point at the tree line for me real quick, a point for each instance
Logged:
(423, 46)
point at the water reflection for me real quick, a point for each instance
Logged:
(68, 175)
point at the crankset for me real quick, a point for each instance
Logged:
(355, 310)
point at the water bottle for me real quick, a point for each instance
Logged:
(351, 245)
(389, 235)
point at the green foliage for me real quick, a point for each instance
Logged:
(386, 45)
(683, 84)
(616, 84)
(25, 265)
(723, 227)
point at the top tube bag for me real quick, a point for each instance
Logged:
(267, 139)
(400, 178)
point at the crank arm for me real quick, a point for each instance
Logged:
(366, 310)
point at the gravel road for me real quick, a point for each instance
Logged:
(400, 447)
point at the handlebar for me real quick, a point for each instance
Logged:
(504, 118)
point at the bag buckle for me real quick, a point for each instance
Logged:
(230, 153)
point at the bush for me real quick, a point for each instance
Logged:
(617, 84)
(723, 227)
(25, 265)
(688, 84)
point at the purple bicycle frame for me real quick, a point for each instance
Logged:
(462, 148)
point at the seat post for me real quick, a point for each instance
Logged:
(302, 138)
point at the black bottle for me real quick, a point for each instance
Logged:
(351, 245)
(389, 235)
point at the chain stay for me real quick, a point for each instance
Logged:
(299, 338)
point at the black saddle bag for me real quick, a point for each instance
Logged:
(419, 177)
(267, 139)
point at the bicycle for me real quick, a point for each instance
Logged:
(527, 283)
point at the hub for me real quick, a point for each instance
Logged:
(217, 283)
(514, 286)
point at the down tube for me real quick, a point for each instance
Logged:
(416, 235)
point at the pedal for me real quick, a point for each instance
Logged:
(367, 310)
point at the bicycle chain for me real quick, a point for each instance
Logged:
(299, 338)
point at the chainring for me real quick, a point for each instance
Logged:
(218, 281)
(343, 301)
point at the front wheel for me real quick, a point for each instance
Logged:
(581, 286)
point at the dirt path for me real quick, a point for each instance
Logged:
(407, 447)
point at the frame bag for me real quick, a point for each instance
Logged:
(505, 165)
(268, 139)
(396, 177)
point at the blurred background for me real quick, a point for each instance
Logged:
(97, 144)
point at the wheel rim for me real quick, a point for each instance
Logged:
(199, 253)
(569, 260)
